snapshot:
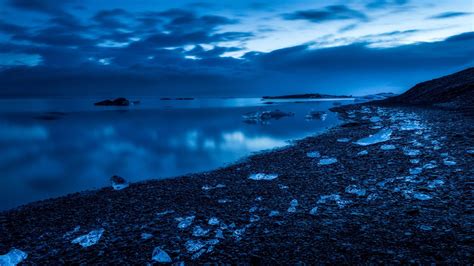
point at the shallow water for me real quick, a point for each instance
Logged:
(53, 147)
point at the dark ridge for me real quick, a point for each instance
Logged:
(455, 91)
(306, 96)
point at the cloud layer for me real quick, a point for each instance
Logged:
(178, 51)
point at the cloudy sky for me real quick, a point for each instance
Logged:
(229, 48)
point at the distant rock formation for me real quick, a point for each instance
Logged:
(116, 102)
(455, 91)
(306, 96)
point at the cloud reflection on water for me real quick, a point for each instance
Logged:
(40, 159)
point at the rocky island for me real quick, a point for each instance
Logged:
(305, 96)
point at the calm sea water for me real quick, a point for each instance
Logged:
(52, 147)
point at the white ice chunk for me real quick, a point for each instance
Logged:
(261, 176)
(208, 187)
(194, 245)
(430, 165)
(293, 205)
(314, 211)
(164, 213)
(435, 183)
(343, 140)
(376, 127)
(449, 162)
(333, 197)
(387, 147)
(185, 222)
(254, 218)
(13, 257)
(416, 171)
(426, 227)
(372, 197)
(409, 152)
(353, 189)
(198, 254)
(313, 154)
(421, 196)
(198, 231)
(414, 161)
(213, 221)
(90, 239)
(146, 236)
(375, 119)
(238, 233)
(274, 213)
(327, 161)
(381, 136)
(219, 234)
(470, 151)
(160, 256)
(253, 209)
(362, 153)
(411, 125)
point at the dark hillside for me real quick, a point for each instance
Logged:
(452, 91)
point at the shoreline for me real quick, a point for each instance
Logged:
(385, 225)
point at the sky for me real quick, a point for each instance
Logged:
(235, 48)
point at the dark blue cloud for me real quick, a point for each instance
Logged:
(41, 6)
(10, 29)
(290, 70)
(180, 51)
(329, 13)
(379, 4)
(115, 18)
(445, 15)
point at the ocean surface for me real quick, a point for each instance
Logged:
(52, 147)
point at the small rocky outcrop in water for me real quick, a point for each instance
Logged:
(116, 102)
(118, 182)
(263, 116)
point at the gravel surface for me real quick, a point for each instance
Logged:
(405, 199)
